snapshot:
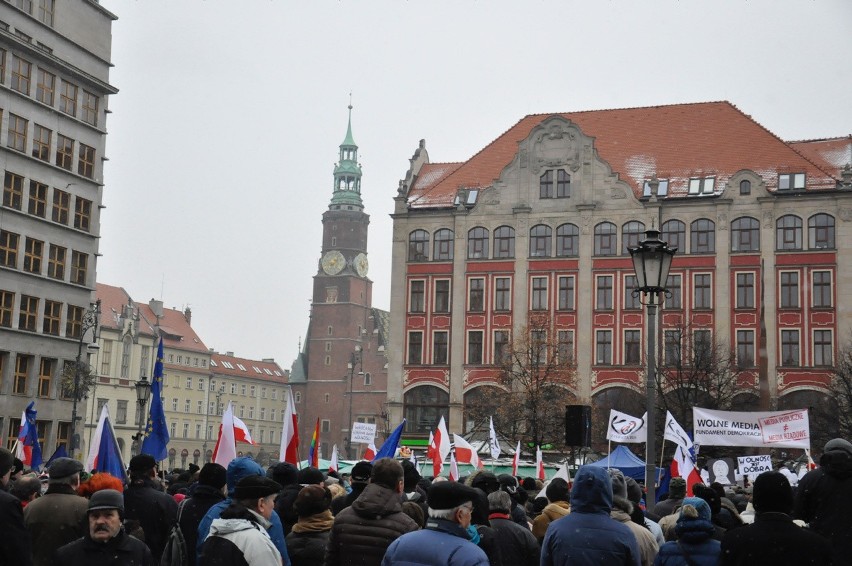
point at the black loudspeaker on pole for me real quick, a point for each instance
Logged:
(578, 425)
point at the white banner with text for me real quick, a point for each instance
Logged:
(782, 429)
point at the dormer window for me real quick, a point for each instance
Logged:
(791, 181)
(662, 188)
(702, 186)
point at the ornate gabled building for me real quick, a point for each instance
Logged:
(538, 224)
(340, 375)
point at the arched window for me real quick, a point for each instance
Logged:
(540, 240)
(504, 242)
(567, 240)
(745, 235)
(126, 347)
(443, 250)
(788, 233)
(745, 187)
(477, 243)
(674, 232)
(821, 232)
(606, 239)
(423, 407)
(631, 233)
(418, 246)
(703, 234)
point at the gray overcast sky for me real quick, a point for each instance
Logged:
(227, 124)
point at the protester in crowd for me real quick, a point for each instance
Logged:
(105, 543)
(27, 489)
(209, 491)
(558, 494)
(99, 481)
(747, 515)
(510, 485)
(15, 546)
(239, 468)
(59, 516)
(414, 485)
(484, 483)
(516, 544)
(414, 511)
(449, 538)
(694, 545)
(285, 510)
(364, 530)
(239, 535)
(677, 491)
(602, 540)
(145, 501)
(729, 517)
(712, 499)
(17, 470)
(824, 498)
(336, 489)
(773, 538)
(307, 541)
(621, 510)
(286, 475)
(634, 494)
(359, 477)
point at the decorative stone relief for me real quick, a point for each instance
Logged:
(767, 219)
(586, 221)
(406, 377)
(594, 379)
(465, 378)
(722, 221)
(781, 377)
(556, 147)
(845, 214)
(616, 193)
(446, 376)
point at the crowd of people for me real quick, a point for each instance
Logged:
(384, 513)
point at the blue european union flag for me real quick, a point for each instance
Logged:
(109, 457)
(31, 438)
(388, 449)
(157, 432)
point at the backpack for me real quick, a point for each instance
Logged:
(175, 552)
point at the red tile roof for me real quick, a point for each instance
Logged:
(255, 369)
(676, 142)
(835, 152)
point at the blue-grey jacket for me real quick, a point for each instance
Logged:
(441, 543)
(587, 535)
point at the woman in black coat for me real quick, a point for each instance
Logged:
(307, 541)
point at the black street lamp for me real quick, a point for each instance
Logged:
(143, 393)
(89, 321)
(652, 259)
(355, 358)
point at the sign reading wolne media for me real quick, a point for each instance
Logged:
(782, 429)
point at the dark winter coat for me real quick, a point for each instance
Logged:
(308, 548)
(667, 507)
(284, 506)
(155, 511)
(517, 545)
(587, 535)
(695, 539)
(193, 510)
(54, 520)
(121, 550)
(338, 504)
(15, 546)
(364, 530)
(775, 539)
(441, 543)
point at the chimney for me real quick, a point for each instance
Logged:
(187, 314)
(156, 307)
(229, 354)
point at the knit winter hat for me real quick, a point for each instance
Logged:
(634, 490)
(619, 485)
(677, 488)
(694, 508)
(285, 473)
(558, 490)
(361, 472)
(708, 495)
(308, 476)
(312, 500)
(772, 492)
(213, 475)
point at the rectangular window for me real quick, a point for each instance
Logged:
(604, 292)
(501, 346)
(442, 295)
(187, 404)
(745, 290)
(21, 75)
(61, 205)
(539, 294)
(440, 348)
(174, 404)
(325, 425)
(13, 190)
(242, 389)
(79, 267)
(415, 348)
(790, 181)
(28, 313)
(68, 98)
(416, 296)
(106, 357)
(52, 317)
(702, 348)
(701, 186)
(7, 303)
(41, 142)
(502, 294)
(45, 11)
(86, 164)
(745, 348)
(189, 383)
(2, 66)
(823, 348)
(82, 213)
(90, 108)
(38, 199)
(33, 253)
(45, 87)
(789, 348)
(17, 133)
(64, 152)
(22, 370)
(566, 293)
(9, 249)
(822, 289)
(476, 295)
(538, 348)
(603, 347)
(671, 347)
(121, 412)
(563, 184)
(789, 289)
(474, 347)
(186, 430)
(565, 345)
(73, 321)
(56, 262)
(45, 376)
(702, 291)
(631, 299)
(632, 347)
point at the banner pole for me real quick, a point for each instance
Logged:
(609, 450)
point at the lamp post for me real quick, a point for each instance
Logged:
(354, 358)
(89, 321)
(652, 259)
(143, 393)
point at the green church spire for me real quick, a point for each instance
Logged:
(347, 172)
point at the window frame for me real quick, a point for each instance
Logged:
(440, 348)
(567, 244)
(442, 245)
(789, 291)
(37, 203)
(631, 235)
(41, 142)
(745, 234)
(604, 292)
(414, 348)
(504, 242)
(746, 292)
(704, 300)
(823, 349)
(539, 293)
(417, 296)
(475, 349)
(790, 350)
(541, 240)
(822, 288)
(603, 347)
(64, 152)
(441, 298)
(631, 301)
(674, 233)
(418, 245)
(788, 233)
(632, 346)
(566, 300)
(605, 243)
(745, 348)
(821, 236)
(477, 243)
(476, 294)
(68, 98)
(502, 296)
(702, 236)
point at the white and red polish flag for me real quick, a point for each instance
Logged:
(516, 460)
(439, 447)
(539, 464)
(289, 449)
(370, 452)
(226, 445)
(454, 468)
(332, 465)
(465, 453)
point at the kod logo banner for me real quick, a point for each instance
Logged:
(626, 428)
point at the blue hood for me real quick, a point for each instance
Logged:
(240, 468)
(592, 491)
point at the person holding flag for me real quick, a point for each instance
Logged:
(28, 449)
(157, 431)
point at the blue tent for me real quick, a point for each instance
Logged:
(623, 459)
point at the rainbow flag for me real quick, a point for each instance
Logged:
(313, 454)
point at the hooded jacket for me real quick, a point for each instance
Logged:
(601, 540)
(239, 542)
(694, 539)
(550, 513)
(648, 547)
(824, 498)
(363, 531)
